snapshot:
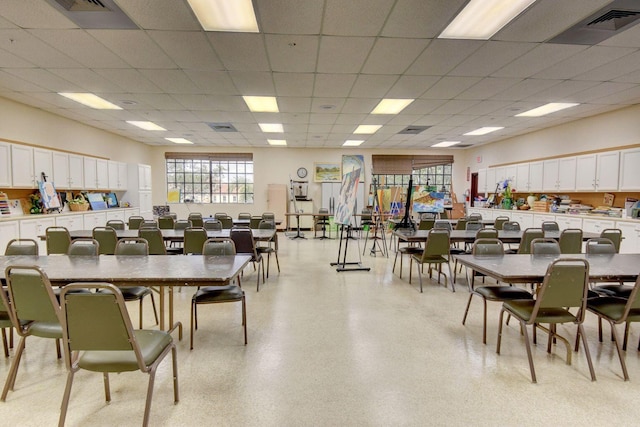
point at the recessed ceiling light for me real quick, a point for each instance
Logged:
(484, 130)
(271, 127)
(261, 104)
(279, 142)
(543, 110)
(446, 143)
(391, 106)
(179, 140)
(225, 15)
(352, 143)
(481, 19)
(145, 125)
(367, 129)
(90, 100)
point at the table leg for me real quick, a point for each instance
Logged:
(161, 292)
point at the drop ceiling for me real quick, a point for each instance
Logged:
(328, 62)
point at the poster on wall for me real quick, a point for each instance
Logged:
(347, 198)
(351, 162)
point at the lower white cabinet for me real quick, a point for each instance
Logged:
(565, 222)
(524, 219)
(34, 228)
(538, 219)
(9, 230)
(630, 237)
(96, 219)
(71, 222)
(116, 215)
(596, 225)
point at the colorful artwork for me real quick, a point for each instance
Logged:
(347, 198)
(327, 172)
(351, 162)
(49, 195)
(424, 200)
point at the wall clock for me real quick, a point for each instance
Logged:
(302, 172)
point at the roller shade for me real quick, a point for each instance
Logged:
(405, 164)
(210, 156)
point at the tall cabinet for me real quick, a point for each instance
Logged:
(139, 192)
(277, 195)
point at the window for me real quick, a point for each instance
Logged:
(211, 177)
(437, 177)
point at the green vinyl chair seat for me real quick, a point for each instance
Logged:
(523, 309)
(134, 293)
(620, 291)
(213, 294)
(502, 293)
(613, 308)
(44, 329)
(436, 251)
(151, 342)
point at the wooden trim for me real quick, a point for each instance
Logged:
(52, 149)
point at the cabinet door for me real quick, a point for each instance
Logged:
(22, 166)
(71, 222)
(586, 172)
(567, 174)
(535, 177)
(122, 176)
(629, 174)
(90, 173)
(98, 219)
(113, 175)
(144, 177)
(5, 168)
(115, 214)
(76, 171)
(607, 171)
(550, 177)
(595, 225)
(146, 205)
(102, 174)
(9, 230)
(630, 243)
(43, 163)
(61, 170)
(491, 180)
(482, 181)
(522, 177)
(34, 228)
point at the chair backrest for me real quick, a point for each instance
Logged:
(58, 240)
(428, 215)
(550, 226)
(565, 285)
(212, 224)
(219, 215)
(475, 217)
(107, 238)
(196, 219)
(266, 224)
(244, 215)
(473, 225)
(135, 221)
(31, 296)
(442, 225)
(633, 302)
(511, 226)
(527, 236)
(438, 244)
(542, 246)
(116, 224)
(166, 222)
(149, 224)
(132, 246)
(426, 224)
(487, 233)
(227, 222)
(461, 224)
(181, 224)
(243, 239)
(499, 221)
(488, 247)
(21, 247)
(269, 215)
(221, 246)
(84, 247)
(571, 241)
(366, 216)
(600, 246)
(97, 321)
(194, 238)
(254, 222)
(154, 238)
(613, 234)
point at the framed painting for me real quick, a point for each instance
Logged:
(351, 162)
(327, 172)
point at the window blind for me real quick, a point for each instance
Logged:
(405, 164)
(210, 156)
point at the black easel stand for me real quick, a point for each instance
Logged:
(343, 266)
(406, 222)
(298, 234)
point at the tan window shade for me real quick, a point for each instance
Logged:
(210, 156)
(404, 165)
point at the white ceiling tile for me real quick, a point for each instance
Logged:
(87, 79)
(200, 55)
(134, 47)
(18, 83)
(538, 59)
(294, 84)
(583, 61)
(559, 93)
(320, 128)
(333, 85)
(46, 79)
(420, 18)
(171, 81)
(487, 87)
(254, 83)
(491, 57)
(423, 106)
(454, 107)
(441, 56)
(322, 119)
(393, 56)
(627, 38)
(33, 14)
(24, 45)
(600, 91)
(411, 86)
(167, 14)
(612, 70)
(449, 87)
(289, 104)
(355, 17)
(372, 85)
(292, 53)
(485, 107)
(525, 89)
(129, 80)
(343, 54)
(9, 60)
(359, 105)
(350, 119)
(289, 16)
(212, 82)
(327, 105)
(240, 51)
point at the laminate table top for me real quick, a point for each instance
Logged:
(175, 235)
(407, 235)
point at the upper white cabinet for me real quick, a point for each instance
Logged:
(76, 171)
(102, 174)
(117, 175)
(559, 174)
(521, 182)
(5, 165)
(61, 170)
(536, 174)
(482, 181)
(90, 177)
(144, 177)
(42, 164)
(22, 166)
(598, 172)
(629, 173)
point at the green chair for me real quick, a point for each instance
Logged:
(166, 222)
(544, 247)
(149, 224)
(269, 216)
(181, 224)
(5, 323)
(212, 224)
(246, 245)
(116, 224)
(436, 251)
(99, 337)
(218, 294)
(511, 226)
(486, 233)
(426, 224)
(196, 219)
(84, 247)
(613, 234)
(244, 215)
(461, 224)
(491, 248)
(525, 242)
(550, 226)
(272, 245)
(107, 238)
(571, 241)
(254, 222)
(227, 222)
(601, 246)
(499, 222)
(21, 247)
(194, 238)
(154, 238)
(475, 217)
(616, 311)
(58, 240)
(135, 221)
(564, 289)
(34, 311)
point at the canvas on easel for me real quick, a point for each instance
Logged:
(347, 198)
(48, 195)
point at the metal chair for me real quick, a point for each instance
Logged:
(525, 242)
(322, 222)
(550, 226)
(244, 215)
(475, 217)
(166, 222)
(116, 224)
(564, 288)
(272, 245)
(605, 247)
(254, 222)
(212, 224)
(245, 244)
(58, 240)
(99, 337)
(571, 241)
(196, 219)
(613, 234)
(21, 247)
(135, 221)
(181, 224)
(544, 247)
(473, 225)
(436, 251)
(154, 239)
(227, 222)
(499, 221)
(107, 238)
(194, 238)
(149, 224)
(218, 294)
(511, 226)
(84, 247)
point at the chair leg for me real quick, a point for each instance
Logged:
(626, 335)
(529, 355)
(599, 329)
(107, 389)
(174, 362)
(13, 371)
(147, 406)
(419, 266)
(466, 311)
(586, 351)
(453, 282)
(65, 398)
(499, 331)
(268, 263)
(484, 321)
(193, 303)
(244, 319)
(155, 311)
(5, 344)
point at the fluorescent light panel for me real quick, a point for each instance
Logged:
(277, 142)
(90, 100)
(271, 127)
(262, 104)
(484, 130)
(543, 110)
(481, 19)
(367, 129)
(446, 143)
(352, 143)
(225, 15)
(179, 140)
(146, 125)
(391, 106)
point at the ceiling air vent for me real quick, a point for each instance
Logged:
(462, 145)
(222, 127)
(413, 130)
(94, 14)
(614, 18)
